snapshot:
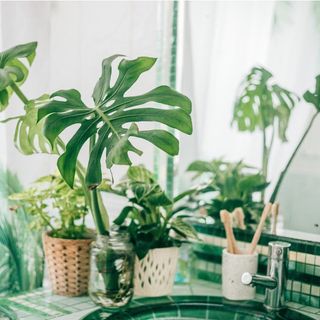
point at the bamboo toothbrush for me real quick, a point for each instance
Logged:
(239, 217)
(231, 241)
(258, 232)
(274, 213)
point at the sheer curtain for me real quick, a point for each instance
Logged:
(222, 41)
(73, 38)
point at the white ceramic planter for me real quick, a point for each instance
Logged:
(233, 266)
(155, 273)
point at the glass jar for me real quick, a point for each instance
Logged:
(112, 261)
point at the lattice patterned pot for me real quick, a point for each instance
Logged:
(68, 264)
(155, 273)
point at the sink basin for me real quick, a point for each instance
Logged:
(195, 308)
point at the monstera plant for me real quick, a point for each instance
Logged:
(108, 125)
(112, 121)
(263, 106)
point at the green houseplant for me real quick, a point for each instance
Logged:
(228, 185)
(56, 208)
(264, 106)
(156, 226)
(108, 126)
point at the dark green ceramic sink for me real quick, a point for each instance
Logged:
(195, 308)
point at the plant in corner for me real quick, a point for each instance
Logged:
(156, 227)
(61, 211)
(265, 106)
(108, 126)
(227, 186)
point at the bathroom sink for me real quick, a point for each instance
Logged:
(195, 308)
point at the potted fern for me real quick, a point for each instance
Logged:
(108, 126)
(156, 227)
(61, 212)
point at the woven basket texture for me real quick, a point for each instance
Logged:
(155, 273)
(68, 264)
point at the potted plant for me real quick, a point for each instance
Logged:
(61, 212)
(108, 126)
(227, 186)
(156, 228)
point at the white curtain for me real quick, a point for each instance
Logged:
(73, 38)
(223, 40)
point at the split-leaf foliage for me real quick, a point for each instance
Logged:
(112, 122)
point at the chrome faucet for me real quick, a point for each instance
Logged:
(276, 278)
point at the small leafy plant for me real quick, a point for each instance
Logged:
(153, 219)
(228, 185)
(55, 207)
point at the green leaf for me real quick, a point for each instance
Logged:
(123, 215)
(115, 119)
(164, 140)
(13, 70)
(260, 103)
(120, 146)
(29, 137)
(314, 98)
(184, 229)
(103, 85)
(68, 160)
(140, 174)
(200, 166)
(20, 51)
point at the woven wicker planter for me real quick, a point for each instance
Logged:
(68, 264)
(155, 273)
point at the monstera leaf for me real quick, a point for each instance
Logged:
(28, 137)
(114, 119)
(261, 102)
(12, 70)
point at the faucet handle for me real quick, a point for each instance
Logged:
(279, 250)
(258, 280)
(246, 278)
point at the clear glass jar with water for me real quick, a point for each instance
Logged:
(112, 261)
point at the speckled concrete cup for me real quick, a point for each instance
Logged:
(233, 266)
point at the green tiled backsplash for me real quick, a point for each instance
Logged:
(303, 284)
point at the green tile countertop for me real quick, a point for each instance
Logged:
(41, 304)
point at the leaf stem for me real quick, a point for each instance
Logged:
(96, 212)
(284, 171)
(19, 93)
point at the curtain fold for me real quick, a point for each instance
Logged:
(222, 42)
